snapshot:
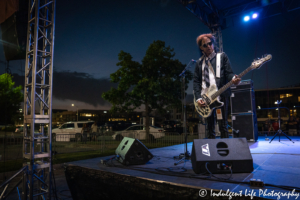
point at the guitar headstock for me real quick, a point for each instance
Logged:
(256, 64)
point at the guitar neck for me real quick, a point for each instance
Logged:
(225, 87)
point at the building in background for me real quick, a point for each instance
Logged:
(100, 116)
(266, 107)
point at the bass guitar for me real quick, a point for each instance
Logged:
(211, 94)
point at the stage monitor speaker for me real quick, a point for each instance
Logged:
(246, 126)
(132, 152)
(242, 101)
(221, 156)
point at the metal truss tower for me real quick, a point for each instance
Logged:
(217, 32)
(214, 21)
(37, 143)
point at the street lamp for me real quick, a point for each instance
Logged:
(77, 110)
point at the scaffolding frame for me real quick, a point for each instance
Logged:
(37, 143)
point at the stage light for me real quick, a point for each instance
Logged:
(254, 16)
(246, 18)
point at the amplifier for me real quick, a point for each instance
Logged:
(242, 101)
(244, 85)
(246, 126)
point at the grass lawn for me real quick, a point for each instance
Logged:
(73, 151)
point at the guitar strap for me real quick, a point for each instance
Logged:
(218, 68)
(218, 65)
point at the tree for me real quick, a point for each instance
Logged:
(10, 98)
(155, 83)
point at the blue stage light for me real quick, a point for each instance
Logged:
(246, 18)
(254, 16)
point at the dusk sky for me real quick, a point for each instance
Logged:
(90, 35)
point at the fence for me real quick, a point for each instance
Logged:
(65, 143)
(106, 141)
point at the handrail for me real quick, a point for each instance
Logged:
(14, 176)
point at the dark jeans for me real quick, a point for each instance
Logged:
(222, 123)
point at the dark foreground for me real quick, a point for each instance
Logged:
(276, 163)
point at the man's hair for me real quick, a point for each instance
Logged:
(201, 37)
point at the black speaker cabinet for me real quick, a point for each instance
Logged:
(245, 126)
(132, 152)
(242, 101)
(220, 155)
(244, 85)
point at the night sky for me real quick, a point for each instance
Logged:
(90, 35)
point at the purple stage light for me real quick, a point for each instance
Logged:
(254, 16)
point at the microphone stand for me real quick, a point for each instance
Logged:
(279, 132)
(186, 154)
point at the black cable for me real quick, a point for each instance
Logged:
(218, 177)
(171, 169)
(106, 161)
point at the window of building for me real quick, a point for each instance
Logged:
(298, 99)
(286, 95)
(87, 115)
(116, 119)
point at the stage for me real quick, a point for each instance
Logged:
(275, 163)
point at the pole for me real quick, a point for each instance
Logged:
(186, 154)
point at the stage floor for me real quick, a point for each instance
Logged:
(276, 163)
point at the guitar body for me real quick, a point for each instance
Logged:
(211, 95)
(211, 103)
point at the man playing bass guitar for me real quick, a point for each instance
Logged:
(208, 71)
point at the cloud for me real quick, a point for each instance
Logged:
(76, 86)
(80, 87)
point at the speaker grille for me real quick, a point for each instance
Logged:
(246, 125)
(242, 101)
